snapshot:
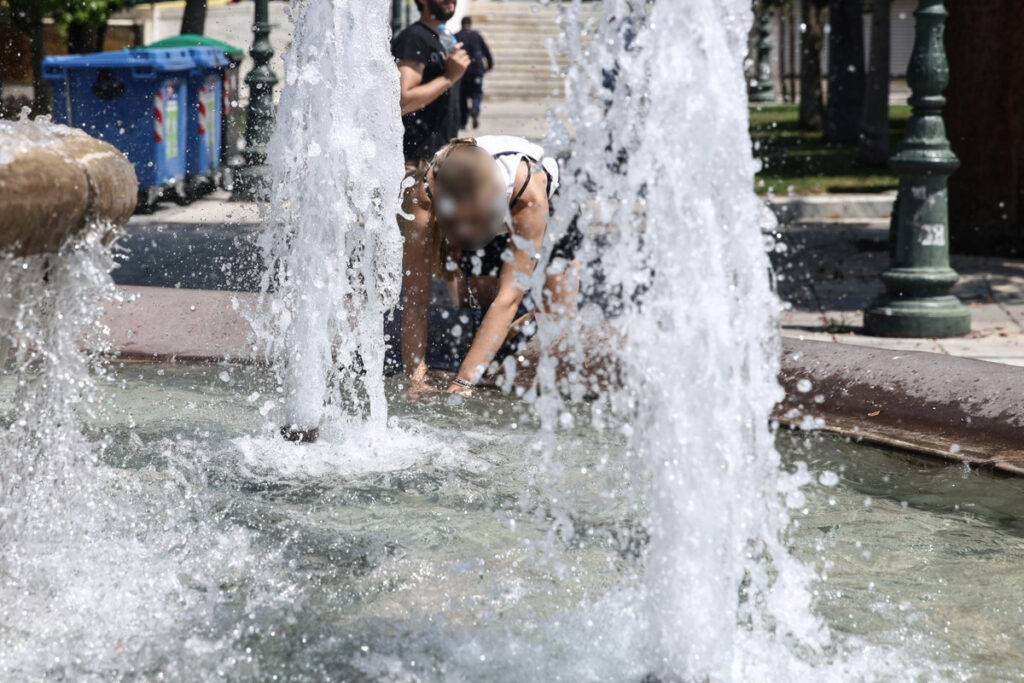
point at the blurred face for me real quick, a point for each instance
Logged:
(442, 10)
(472, 225)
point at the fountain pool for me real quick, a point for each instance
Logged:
(203, 546)
(156, 526)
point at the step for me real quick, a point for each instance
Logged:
(522, 36)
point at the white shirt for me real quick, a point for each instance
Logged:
(509, 150)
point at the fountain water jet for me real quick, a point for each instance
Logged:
(331, 238)
(664, 174)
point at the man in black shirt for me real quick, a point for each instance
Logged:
(429, 75)
(471, 89)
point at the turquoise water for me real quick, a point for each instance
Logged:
(198, 546)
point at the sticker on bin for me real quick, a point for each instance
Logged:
(207, 113)
(165, 119)
(171, 102)
(158, 116)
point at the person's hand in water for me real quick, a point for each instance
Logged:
(457, 63)
(419, 388)
(418, 383)
(460, 389)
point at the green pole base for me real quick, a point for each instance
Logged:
(252, 184)
(939, 316)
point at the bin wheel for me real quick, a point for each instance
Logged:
(148, 197)
(180, 193)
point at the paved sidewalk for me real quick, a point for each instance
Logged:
(215, 208)
(524, 118)
(828, 273)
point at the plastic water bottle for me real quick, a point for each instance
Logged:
(447, 37)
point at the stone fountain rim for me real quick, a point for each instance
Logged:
(945, 407)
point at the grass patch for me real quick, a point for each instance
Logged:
(801, 162)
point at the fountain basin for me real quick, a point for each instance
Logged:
(943, 406)
(202, 542)
(57, 181)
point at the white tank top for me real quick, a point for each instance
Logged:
(509, 150)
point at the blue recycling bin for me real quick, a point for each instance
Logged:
(137, 100)
(206, 99)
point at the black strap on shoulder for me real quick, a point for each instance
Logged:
(522, 190)
(529, 174)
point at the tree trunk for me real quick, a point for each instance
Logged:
(193, 20)
(845, 71)
(873, 149)
(84, 38)
(985, 127)
(812, 108)
(42, 98)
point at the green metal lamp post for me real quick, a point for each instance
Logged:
(252, 180)
(763, 89)
(396, 17)
(917, 302)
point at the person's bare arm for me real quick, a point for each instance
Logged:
(415, 94)
(529, 220)
(416, 269)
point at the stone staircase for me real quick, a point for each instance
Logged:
(518, 33)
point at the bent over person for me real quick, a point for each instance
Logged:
(477, 221)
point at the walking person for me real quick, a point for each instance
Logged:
(430, 68)
(472, 88)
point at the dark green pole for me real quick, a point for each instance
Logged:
(396, 17)
(917, 302)
(763, 89)
(252, 180)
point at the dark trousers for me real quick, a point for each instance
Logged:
(471, 91)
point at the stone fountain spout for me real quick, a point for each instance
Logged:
(58, 187)
(55, 183)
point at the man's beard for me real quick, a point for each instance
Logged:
(439, 12)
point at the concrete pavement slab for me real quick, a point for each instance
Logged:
(803, 319)
(214, 208)
(205, 256)
(832, 206)
(889, 343)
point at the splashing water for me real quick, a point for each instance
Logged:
(50, 308)
(331, 235)
(663, 169)
(50, 312)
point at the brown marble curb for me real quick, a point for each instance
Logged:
(952, 408)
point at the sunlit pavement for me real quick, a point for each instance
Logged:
(828, 273)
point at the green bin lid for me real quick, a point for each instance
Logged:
(195, 40)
